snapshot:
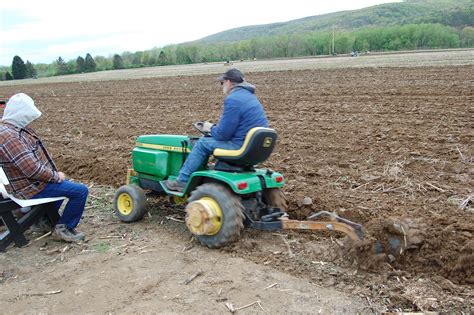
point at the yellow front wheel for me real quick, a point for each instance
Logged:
(130, 203)
(125, 204)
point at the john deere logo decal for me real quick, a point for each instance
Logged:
(267, 142)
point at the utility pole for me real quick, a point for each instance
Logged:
(333, 39)
(329, 44)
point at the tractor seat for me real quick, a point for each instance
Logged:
(257, 147)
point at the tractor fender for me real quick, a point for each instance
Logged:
(239, 183)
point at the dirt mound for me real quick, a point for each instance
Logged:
(462, 271)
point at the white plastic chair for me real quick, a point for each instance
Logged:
(38, 208)
(21, 202)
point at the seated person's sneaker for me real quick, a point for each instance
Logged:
(174, 185)
(42, 226)
(62, 232)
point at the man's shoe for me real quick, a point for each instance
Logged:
(175, 185)
(42, 226)
(62, 232)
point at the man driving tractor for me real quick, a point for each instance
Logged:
(233, 194)
(242, 112)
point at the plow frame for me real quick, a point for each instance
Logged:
(280, 221)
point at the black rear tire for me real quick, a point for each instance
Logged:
(232, 214)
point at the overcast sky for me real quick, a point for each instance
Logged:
(43, 30)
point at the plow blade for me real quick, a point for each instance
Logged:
(336, 223)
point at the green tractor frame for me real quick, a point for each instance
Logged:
(222, 198)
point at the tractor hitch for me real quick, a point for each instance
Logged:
(276, 219)
(336, 223)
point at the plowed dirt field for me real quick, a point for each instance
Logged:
(377, 145)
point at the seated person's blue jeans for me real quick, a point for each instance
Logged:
(200, 153)
(77, 195)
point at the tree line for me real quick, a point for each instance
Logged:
(392, 38)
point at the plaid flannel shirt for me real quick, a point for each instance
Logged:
(25, 161)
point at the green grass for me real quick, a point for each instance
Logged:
(101, 247)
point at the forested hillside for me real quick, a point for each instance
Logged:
(456, 13)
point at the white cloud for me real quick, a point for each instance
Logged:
(51, 28)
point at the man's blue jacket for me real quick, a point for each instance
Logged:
(242, 112)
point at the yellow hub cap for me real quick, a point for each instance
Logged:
(204, 216)
(125, 204)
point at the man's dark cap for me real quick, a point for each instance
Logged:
(233, 75)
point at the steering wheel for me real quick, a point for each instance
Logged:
(199, 125)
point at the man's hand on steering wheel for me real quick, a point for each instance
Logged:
(204, 127)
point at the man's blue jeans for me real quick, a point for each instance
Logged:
(77, 195)
(200, 153)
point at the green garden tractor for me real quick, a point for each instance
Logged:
(222, 197)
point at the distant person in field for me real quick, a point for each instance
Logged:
(31, 170)
(242, 111)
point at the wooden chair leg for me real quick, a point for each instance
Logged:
(16, 228)
(14, 233)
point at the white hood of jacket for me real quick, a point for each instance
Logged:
(20, 110)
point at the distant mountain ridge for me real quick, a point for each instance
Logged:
(456, 13)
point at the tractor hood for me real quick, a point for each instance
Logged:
(20, 110)
(164, 142)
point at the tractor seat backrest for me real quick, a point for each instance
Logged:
(257, 147)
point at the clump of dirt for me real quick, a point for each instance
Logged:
(462, 272)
